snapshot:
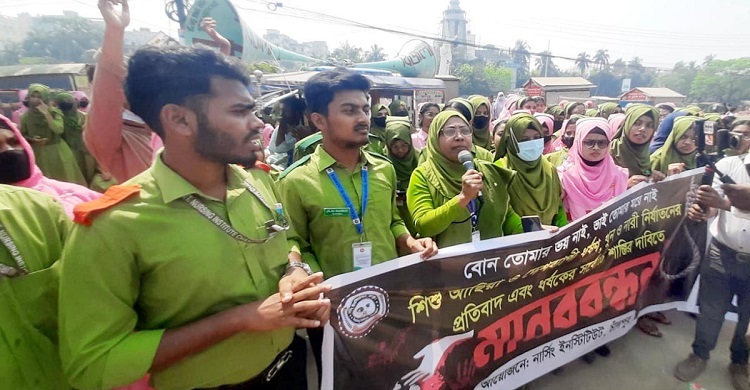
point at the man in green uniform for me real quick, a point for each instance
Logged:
(33, 228)
(341, 200)
(176, 273)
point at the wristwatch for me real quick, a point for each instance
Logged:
(299, 264)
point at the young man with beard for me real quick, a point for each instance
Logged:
(341, 200)
(176, 273)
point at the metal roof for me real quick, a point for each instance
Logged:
(297, 79)
(23, 70)
(562, 82)
(657, 92)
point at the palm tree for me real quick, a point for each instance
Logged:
(601, 58)
(707, 59)
(544, 62)
(582, 62)
(618, 66)
(635, 63)
(374, 54)
(347, 52)
(521, 55)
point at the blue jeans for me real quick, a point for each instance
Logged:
(722, 277)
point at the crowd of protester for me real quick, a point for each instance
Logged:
(195, 270)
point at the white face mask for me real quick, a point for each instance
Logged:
(530, 151)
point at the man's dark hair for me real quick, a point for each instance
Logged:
(158, 76)
(321, 88)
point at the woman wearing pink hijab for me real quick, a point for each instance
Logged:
(615, 121)
(19, 169)
(22, 94)
(589, 176)
(548, 125)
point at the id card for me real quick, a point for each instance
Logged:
(475, 237)
(362, 255)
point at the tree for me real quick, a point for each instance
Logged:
(67, 40)
(619, 66)
(607, 83)
(582, 62)
(11, 54)
(521, 57)
(725, 81)
(374, 54)
(544, 65)
(707, 59)
(680, 78)
(601, 58)
(348, 52)
(636, 64)
(483, 79)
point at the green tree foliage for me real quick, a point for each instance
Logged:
(374, 54)
(680, 79)
(601, 58)
(521, 57)
(582, 62)
(68, 40)
(544, 63)
(483, 79)
(725, 81)
(348, 52)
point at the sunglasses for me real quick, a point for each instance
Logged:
(599, 143)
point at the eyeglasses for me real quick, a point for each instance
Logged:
(452, 131)
(743, 136)
(599, 143)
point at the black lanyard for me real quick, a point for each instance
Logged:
(15, 253)
(271, 226)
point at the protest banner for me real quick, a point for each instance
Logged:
(500, 313)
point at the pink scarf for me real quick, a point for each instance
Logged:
(549, 121)
(68, 194)
(587, 187)
(511, 104)
(615, 121)
(558, 144)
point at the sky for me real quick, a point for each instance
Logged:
(661, 33)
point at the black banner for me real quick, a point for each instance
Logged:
(502, 312)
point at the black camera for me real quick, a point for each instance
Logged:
(712, 138)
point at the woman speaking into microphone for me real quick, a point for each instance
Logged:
(444, 197)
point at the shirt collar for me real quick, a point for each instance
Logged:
(173, 186)
(325, 160)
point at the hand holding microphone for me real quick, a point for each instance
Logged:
(471, 181)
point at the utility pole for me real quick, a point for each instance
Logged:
(546, 60)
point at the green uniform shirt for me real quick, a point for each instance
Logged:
(320, 220)
(38, 227)
(152, 263)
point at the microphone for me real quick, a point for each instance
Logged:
(467, 160)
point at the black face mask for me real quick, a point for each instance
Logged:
(547, 138)
(25, 103)
(481, 121)
(568, 141)
(83, 103)
(557, 125)
(15, 166)
(65, 106)
(379, 121)
(401, 113)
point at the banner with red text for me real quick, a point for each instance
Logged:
(500, 313)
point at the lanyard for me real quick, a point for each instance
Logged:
(271, 226)
(15, 253)
(474, 215)
(356, 219)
